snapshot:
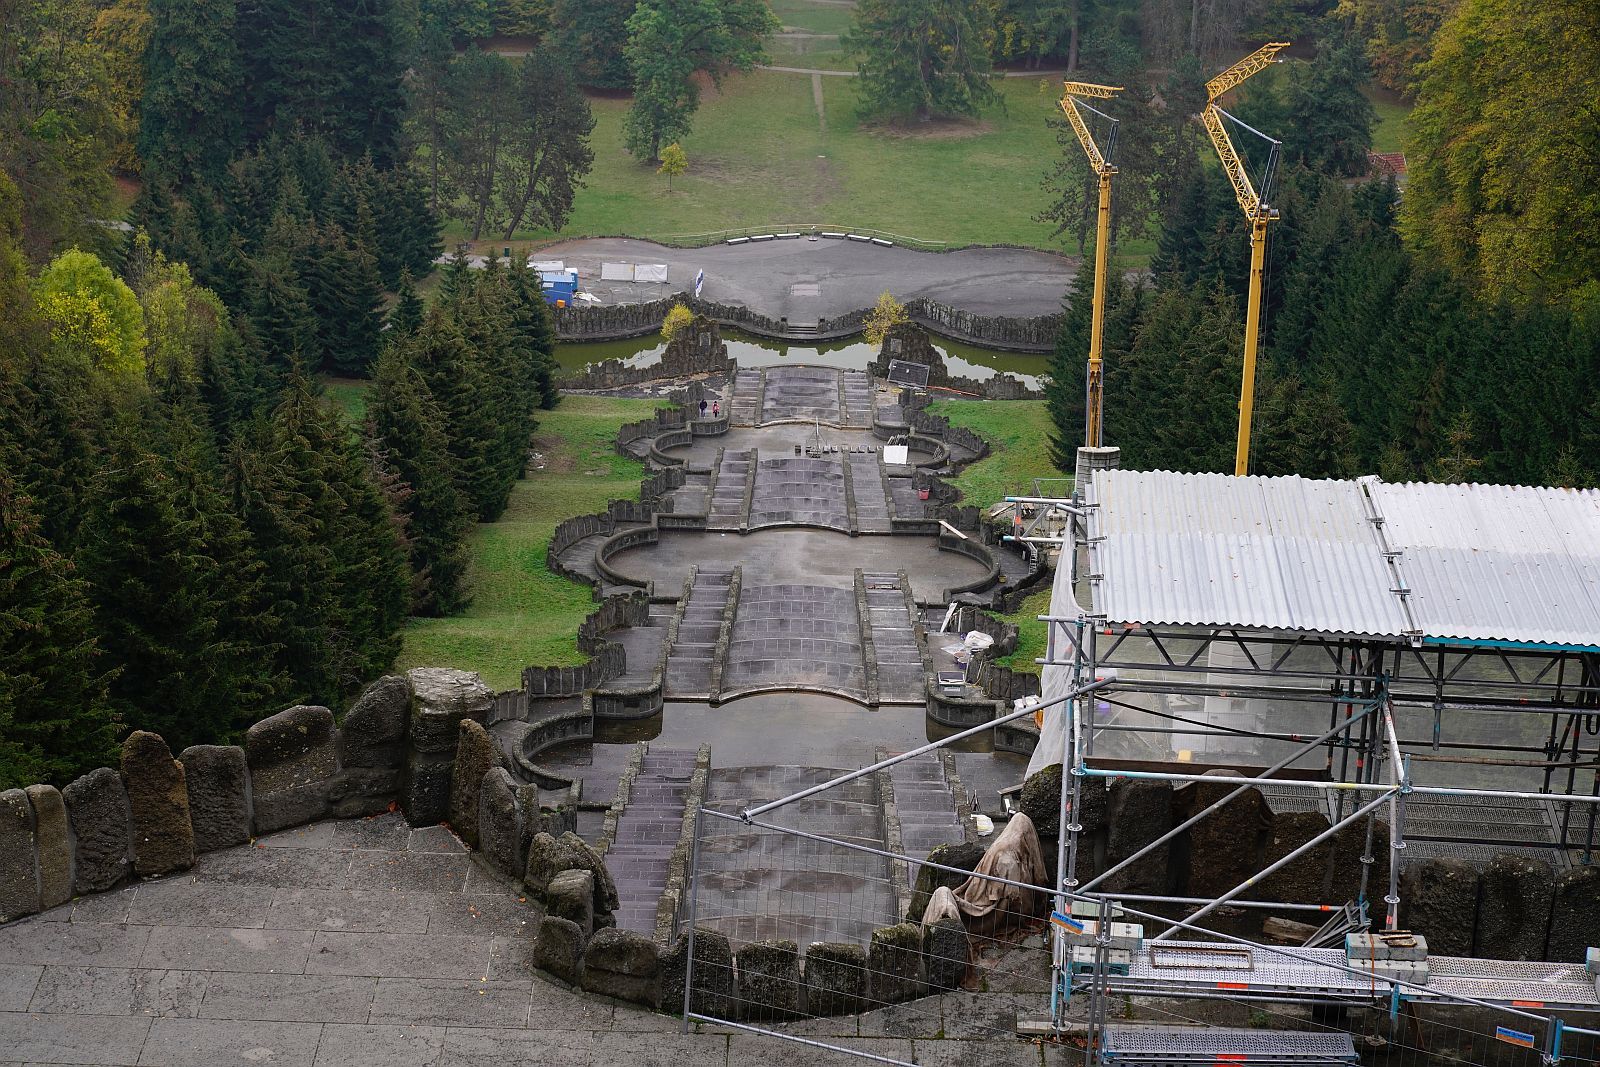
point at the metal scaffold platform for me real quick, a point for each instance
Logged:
(1181, 1046)
(1241, 972)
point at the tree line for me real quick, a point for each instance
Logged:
(1440, 334)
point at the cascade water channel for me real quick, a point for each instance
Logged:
(963, 360)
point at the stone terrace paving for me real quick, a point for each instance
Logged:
(366, 942)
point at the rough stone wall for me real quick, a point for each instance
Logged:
(618, 321)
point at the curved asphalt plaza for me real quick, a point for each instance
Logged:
(805, 279)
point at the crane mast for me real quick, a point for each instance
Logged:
(1101, 162)
(1257, 212)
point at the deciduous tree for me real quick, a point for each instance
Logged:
(548, 153)
(922, 57)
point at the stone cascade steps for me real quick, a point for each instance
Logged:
(901, 676)
(926, 807)
(801, 489)
(867, 484)
(647, 832)
(757, 883)
(727, 505)
(690, 658)
(856, 389)
(806, 393)
(745, 409)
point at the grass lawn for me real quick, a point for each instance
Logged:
(349, 395)
(759, 156)
(1018, 432)
(521, 613)
(1394, 115)
(1030, 632)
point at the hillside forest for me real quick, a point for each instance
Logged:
(211, 208)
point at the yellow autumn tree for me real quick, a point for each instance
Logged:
(675, 322)
(885, 316)
(93, 315)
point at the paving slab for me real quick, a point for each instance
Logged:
(411, 872)
(440, 1002)
(73, 1038)
(470, 1047)
(279, 868)
(112, 907)
(217, 949)
(380, 1046)
(399, 955)
(474, 913)
(210, 1043)
(306, 998)
(183, 903)
(120, 991)
(31, 941)
(17, 983)
(351, 910)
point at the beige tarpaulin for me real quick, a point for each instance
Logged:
(1016, 856)
(942, 905)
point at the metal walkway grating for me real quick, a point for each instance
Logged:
(1174, 1046)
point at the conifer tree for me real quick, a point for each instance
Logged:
(407, 428)
(457, 378)
(408, 309)
(190, 124)
(55, 722)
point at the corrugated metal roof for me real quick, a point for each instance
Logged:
(1480, 562)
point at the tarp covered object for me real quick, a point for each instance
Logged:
(1015, 856)
(942, 905)
(616, 272)
(650, 272)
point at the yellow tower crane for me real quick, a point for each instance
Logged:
(1256, 211)
(1103, 165)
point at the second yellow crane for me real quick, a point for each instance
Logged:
(1256, 211)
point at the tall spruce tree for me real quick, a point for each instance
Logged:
(190, 125)
(55, 721)
(407, 428)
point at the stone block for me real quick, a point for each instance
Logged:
(894, 963)
(425, 789)
(713, 974)
(500, 823)
(356, 792)
(1140, 812)
(944, 953)
(158, 799)
(559, 948)
(605, 890)
(476, 753)
(19, 857)
(768, 979)
(961, 855)
(373, 733)
(625, 965)
(1305, 880)
(1440, 898)
(292, 760)
(54, 842)
(570, 895)
(1041, 802)
(1574, 915)
(836, 978)
(441, 698)
(102, 832)
(1225, 847)
(1514, 907)
(547, 857)
(217, 781)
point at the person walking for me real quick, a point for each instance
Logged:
(716, 410)
(702, 408)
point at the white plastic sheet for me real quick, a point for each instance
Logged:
(616, 272)
(650, 272)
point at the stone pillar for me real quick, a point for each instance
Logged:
(19, 857)
(218, 783)
(293, 762)
(54, 840)
(440, 699)
(163, 838)
(97, 811)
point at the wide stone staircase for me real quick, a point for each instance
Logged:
(690, 658)
(925, 805)
(745, 410)
(727, 511)
(865, 471)
(901, 677)
(759, 883)
(856, 392)
(647, 832)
